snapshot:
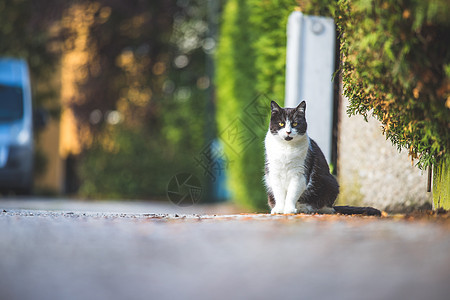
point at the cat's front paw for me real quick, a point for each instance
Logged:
(277, 210)
(290, 210)
(305, 208)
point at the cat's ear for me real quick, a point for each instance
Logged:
(274, 107)
(301, 107)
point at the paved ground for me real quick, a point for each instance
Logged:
(77, 250)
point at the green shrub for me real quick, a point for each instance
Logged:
(396, 66)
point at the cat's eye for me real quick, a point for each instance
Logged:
(281, 124)
(294, 124)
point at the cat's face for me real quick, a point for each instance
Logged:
(288, 123)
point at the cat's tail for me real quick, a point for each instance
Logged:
(354, 210)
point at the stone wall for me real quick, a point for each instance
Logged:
(372, 172)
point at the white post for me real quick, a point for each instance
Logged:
(309, 72)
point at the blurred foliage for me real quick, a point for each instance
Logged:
(157, 64)
(250, 71)
(129, 164)
(124, 59)
(130, 79)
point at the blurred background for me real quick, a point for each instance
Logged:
(127, 86)
(134, 92)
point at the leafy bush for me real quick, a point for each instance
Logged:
(396, 65)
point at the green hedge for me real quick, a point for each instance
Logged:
(250, 71)
(397, 67)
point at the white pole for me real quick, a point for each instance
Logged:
(310, 57)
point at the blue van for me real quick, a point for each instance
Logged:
(16, 126)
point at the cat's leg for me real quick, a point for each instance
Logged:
(279, 193)
(296, 187)
(279, 202)
(278, 209)
(321, 195)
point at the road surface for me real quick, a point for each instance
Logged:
(80, 250)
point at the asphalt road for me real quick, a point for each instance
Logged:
(79, 250)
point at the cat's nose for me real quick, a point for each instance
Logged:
(288, 132)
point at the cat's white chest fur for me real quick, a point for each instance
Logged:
(286, 171)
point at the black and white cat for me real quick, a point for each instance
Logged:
(297, 176)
